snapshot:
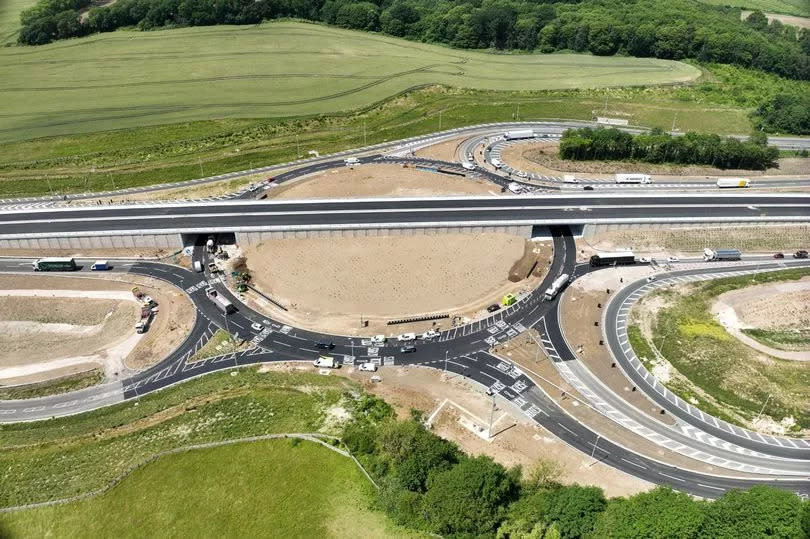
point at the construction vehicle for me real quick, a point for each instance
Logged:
(558, 284)
(222, 303)
(508, 299)
(147, 313)
(721, 254)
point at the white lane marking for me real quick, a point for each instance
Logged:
(672, 477)
(634, 463)
(709, 486)
(282, 343)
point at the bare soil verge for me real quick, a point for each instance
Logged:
(445, 151)
(380, 181)
(685, 241)
(774, 306)
(333, 283)
(167, 331)
(516, 440)
(542, 158)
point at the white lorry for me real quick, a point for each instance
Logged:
(222, 303)
(496, 163)
(721, 254)
(570, 178)
(519, 134)
(558, 284)
(732, 182)
(633, 178)
(515, 187)
(326, 362)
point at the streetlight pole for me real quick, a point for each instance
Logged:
(446, 352)
(763, 407)
(593, 451)
(491, 416)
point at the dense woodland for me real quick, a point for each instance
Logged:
(785, 113)
(428, 484)
(672, 29)
(659, 147)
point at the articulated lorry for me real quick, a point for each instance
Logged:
(633, 178)
(558, 284)
(732, 182)
(54, 264)
(222, 303)
(721, 254)
(519, 134)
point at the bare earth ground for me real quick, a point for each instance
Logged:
(332, 283)
(685, 241)
(579, 311)
(380, 181)
(542, 158)
(445, 151)
(516, 440)
(167, 331)
(776, 306)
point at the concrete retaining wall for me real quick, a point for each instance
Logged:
(593, 230)
(165, 241)
(252, 238)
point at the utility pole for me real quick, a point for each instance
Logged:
(440, 120)
(518, 112)
(49, 186)
(763, 407)
(112, 180)
(594, 448)
(491, 417)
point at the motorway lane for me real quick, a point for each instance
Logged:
(796, 448)
(549, 209)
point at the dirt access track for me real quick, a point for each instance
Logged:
(52, 326)
(331, 284)
(774, 306)
(375, 180)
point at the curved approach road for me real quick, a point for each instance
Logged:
(461, 350)
(397, 147)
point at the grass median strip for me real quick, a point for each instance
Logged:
(72, 382)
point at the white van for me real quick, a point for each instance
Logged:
(407, 337)
(369, 367)
(326, 362)
(198, 266)
(349, 161)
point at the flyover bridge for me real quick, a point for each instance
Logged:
(254, 220)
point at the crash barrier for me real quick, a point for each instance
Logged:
(419, 319)
(268, 298)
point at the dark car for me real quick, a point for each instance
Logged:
(800, 254)
(588, 188)
(779, 255)
(407, 349)
(494, 307)
(324, 345)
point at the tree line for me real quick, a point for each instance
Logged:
(784, 113)
(660, 147)
(428, 484)
(675, 29)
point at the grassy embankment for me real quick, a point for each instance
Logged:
(715, 370)
(281, 488)
(69, 456)
(63, 384)
(781, 340)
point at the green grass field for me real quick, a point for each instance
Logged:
(719, 371)
(127, 79)
(789, 7)
(75, 455)
(10, 19)
(259, 489)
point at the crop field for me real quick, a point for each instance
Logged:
(790, 7)
(10, 19)
(253, 489)
(125, 79)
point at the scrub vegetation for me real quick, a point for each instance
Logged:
(718, 373)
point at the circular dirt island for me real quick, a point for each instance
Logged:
(339, 285)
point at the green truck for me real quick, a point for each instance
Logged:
(55, 264)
